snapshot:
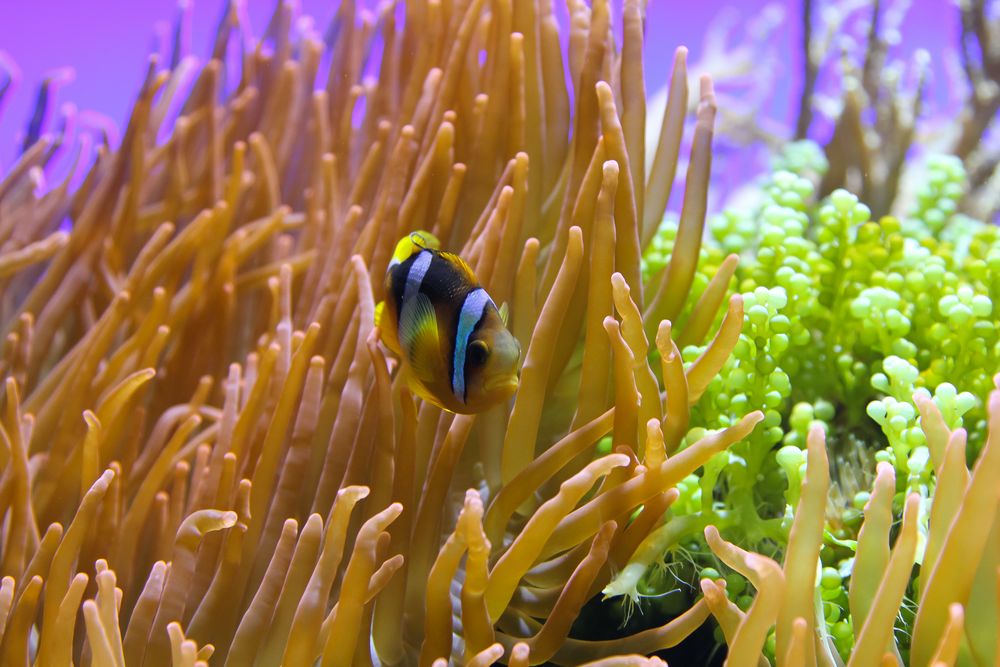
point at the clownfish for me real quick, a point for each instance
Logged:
(453, 341)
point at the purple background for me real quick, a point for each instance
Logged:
(106, 43)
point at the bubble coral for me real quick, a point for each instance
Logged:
(956, 591)
(204, 448)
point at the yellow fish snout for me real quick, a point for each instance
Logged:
(502, 369)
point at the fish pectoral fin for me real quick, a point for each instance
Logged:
(417, 387)
(504, 313)
(379, 307)
(418, 335)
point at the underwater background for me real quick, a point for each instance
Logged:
(754, 283)
(106, 43)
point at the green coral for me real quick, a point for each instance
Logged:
(944, 183)
(846, 318)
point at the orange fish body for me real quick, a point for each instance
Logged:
(453, 341)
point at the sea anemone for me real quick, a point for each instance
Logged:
(207, 451)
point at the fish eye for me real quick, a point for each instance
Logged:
(478, 353)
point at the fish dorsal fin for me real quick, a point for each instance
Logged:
(418, 336)
(504, 313)
(460, 264)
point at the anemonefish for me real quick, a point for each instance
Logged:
(452, 339)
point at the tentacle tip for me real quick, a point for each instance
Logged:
(817, 435)
(664, 328)
(884, 469)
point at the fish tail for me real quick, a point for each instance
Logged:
(413, 243)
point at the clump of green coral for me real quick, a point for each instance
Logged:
(848, 321)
